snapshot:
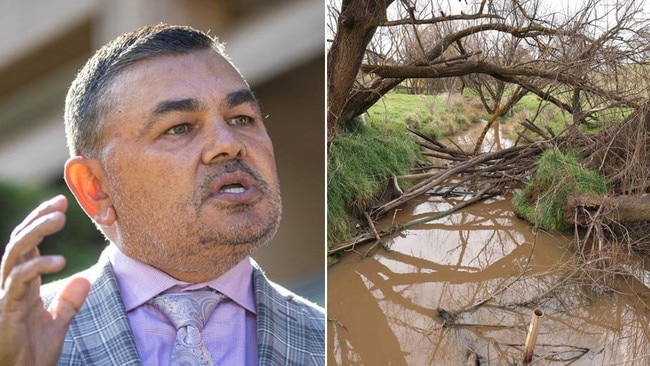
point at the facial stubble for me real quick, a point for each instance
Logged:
(166, 240)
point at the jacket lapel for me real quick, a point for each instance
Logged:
(101, 331)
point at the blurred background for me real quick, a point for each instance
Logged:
(277, 45)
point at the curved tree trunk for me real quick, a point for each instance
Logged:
(357, 24)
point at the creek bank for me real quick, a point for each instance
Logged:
(501, 171)
(464, 286)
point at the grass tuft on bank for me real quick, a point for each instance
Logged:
(359, 165)
(558, 175)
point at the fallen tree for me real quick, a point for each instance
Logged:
(620, 208)
(622, 147)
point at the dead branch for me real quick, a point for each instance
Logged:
(374, 232)
(396, 228)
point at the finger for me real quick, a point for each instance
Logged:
(68, 302)
(57, 203)
(22, 275)
(27, 239)
(23, 246)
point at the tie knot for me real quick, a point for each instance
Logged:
(188, 308)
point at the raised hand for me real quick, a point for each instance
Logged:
(29, 333)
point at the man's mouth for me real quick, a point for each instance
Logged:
(232, 188)
(236, 187)
(233, 183)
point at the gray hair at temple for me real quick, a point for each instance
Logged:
(87, 102)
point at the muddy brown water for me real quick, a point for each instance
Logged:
(415, 304)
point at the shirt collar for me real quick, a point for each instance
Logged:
(140, 282)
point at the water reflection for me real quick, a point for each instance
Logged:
(413, 305)
(418, 304)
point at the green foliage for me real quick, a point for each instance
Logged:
(359, 165)
(558, 176)
(79, 241)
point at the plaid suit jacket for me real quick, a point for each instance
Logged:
(290, 330)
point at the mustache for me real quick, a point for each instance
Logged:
(231, 166)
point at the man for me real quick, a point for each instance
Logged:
(171, 160)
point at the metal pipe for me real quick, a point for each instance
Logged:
(531, 338)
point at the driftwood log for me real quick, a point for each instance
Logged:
(621, 208)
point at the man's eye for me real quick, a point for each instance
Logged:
(241, 120)
(178, 129)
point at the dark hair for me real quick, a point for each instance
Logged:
(87, 103)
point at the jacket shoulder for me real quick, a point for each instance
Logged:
(290, 328)
(51, 289)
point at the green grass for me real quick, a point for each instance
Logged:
(558, 175)
(436, 116)
(359, 165)
(550, 116)
(558, 120)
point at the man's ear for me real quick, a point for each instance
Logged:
(85, 178)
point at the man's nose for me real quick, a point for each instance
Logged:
(222, 142)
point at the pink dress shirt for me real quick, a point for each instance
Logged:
(230, 333)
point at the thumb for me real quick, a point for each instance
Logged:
(68, 302)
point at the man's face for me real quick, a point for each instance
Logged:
(189, 166)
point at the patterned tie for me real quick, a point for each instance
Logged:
(188, 312)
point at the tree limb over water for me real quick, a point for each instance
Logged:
(581, 59)
(615, 149)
